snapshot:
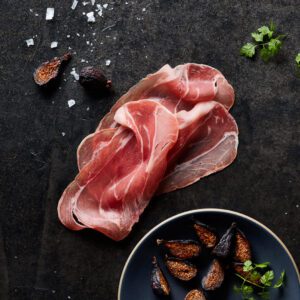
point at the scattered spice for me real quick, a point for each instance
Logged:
(91, 17)
(74, 4)
(54, 45)
(29, 42)
(75, 74)
(49, 13)
(71, 102)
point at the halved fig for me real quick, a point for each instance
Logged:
(49, 70)
(224, 247)
(207, 235)
(214, 277)
(242, 250)
(184, 249)
(195, 295)
(180, 268)
(159, 282)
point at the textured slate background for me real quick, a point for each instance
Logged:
(39, 258)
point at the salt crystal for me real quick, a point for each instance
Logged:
(53, 291)
(54, 45)
(71, 102)
(85, 3)
(297, 205)
(100, 10)
(36, 15)
(94, 33)
(78, 34)
(63, 133)
(144, 9)
(30, 42)
(87, 42)
(69, 297)
(93, 2)
(68, 36)
(82, 60)
(30, 9)
(105, 5)
(49, 13)
(75, 74)
(74, 4)
(91, 17)
(83, 13)
(87, 108)
(107, 62)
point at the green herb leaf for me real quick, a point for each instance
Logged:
(247, 289)
(248, 50)
(247, 266)
(272, 26)
(280, 281)
(297, 59)
(262, 265)
(265, 30)
(267, 278)
(265, 54)
(274, 46)
(258, 37)
(255, 276)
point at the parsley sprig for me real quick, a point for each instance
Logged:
(257, 279)
(265, 41)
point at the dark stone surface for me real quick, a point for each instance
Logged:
(40, 259)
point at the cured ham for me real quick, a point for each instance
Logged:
(178, 88)
(167, 132)
(112, 190)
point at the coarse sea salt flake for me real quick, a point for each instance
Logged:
(107, 62)
(93, 2)
(100, 10)
(49, 13)
(105, 5)
(71, 102)
(63, 133)
(75, 74)
(29, 42)
(74, 4)
(85, 3)
(91, 17)
(54, 44)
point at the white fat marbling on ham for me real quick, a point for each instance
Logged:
(168, 131)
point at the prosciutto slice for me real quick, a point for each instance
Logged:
(112, 190)
(167, 132)
(177, 88)
(207, 143)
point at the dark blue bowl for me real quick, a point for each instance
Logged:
(266, 246)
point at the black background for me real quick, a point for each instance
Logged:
(39, 258)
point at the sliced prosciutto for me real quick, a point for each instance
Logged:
(177, 88)
(207, 143)
(168, 131)
(112, 190)
(192, 92)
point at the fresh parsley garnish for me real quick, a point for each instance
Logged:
(266, 42)
(297, 60)
(256, 280)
